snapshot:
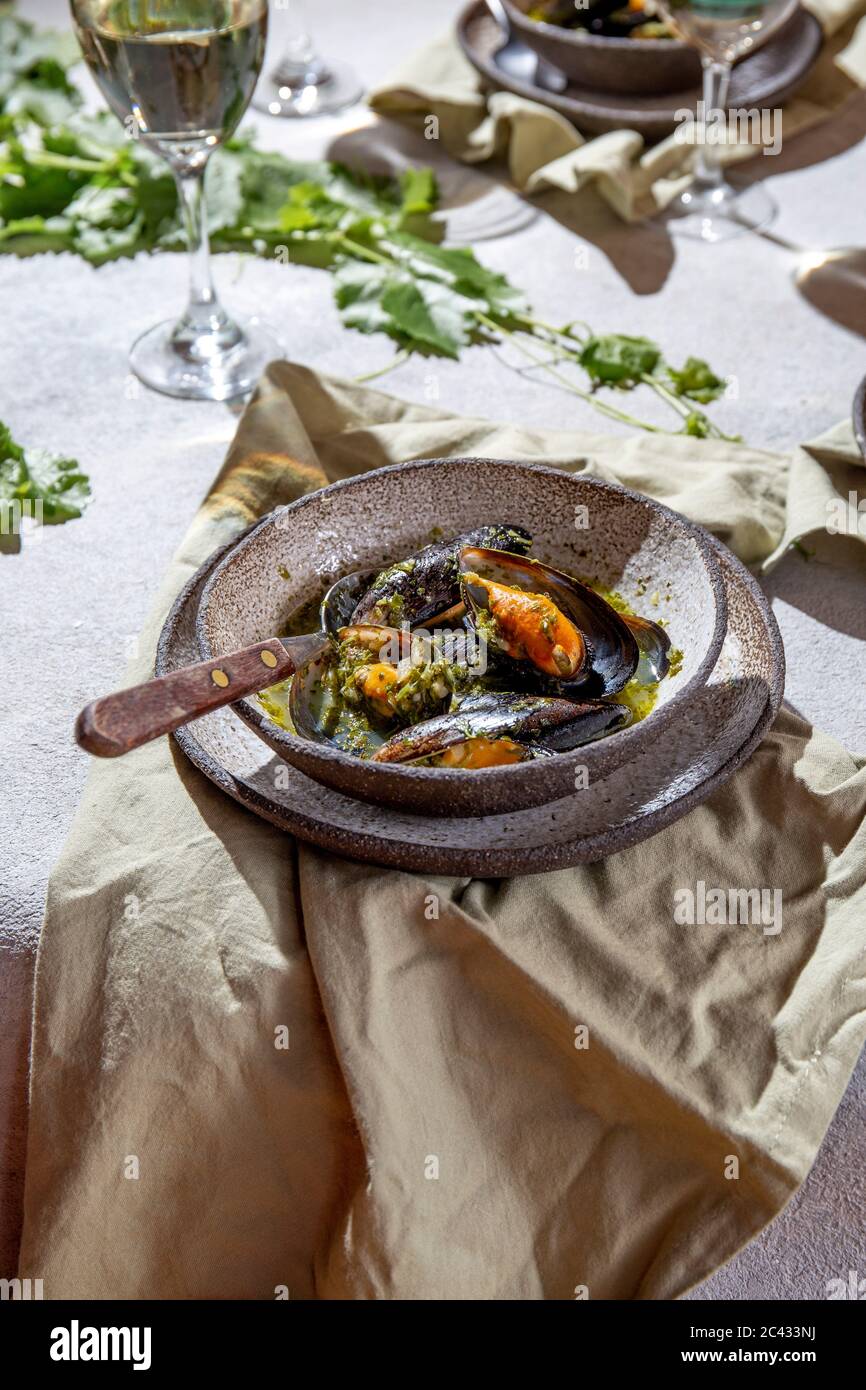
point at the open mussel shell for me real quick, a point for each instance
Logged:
(611, 652)
(654, 646)
(314, 712)
(426, 585)
(539, 723)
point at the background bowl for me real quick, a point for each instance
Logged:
(662, 564)
(605, 64)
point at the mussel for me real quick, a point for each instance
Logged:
(353, 692)
(426, 585)
(501, 727)
(513, 600)
(654, 646)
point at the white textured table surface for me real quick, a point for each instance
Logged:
(73, 603)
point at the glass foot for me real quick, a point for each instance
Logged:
(218, 366)
(720, 213)
(311, 89)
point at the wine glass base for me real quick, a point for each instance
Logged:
(294, 98)
(718, 214)
(156, 359)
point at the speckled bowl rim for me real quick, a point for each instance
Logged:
(370, 849)
(639, 736)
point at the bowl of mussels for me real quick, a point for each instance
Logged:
(489, 634)
(607, 45)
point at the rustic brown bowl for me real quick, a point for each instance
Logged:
(727, 719)
(631, 66)
(631, 544)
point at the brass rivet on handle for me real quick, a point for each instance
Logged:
(219, 678)
(269, 659)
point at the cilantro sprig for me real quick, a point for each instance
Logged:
(36, 485)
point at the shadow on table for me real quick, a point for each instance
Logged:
(819, 582)
(825, 140)
(644, 252)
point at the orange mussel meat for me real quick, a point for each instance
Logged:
(532, 628)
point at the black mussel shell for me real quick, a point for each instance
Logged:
(612, 650)
(310, 708)
(655, 648)
(541, 724)
(427, 584)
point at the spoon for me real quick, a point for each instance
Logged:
(516, 58)
(117, 723)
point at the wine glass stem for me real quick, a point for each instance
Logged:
(717, 77)
(203, 310)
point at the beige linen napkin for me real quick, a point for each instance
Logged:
(260, 1071)
(544, 150)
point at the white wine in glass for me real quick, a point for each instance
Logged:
(722, 31)
(179, 74)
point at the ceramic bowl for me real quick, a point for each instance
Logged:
(727, 719)
(662, 564)
(632, 66)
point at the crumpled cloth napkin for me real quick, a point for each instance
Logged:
(544, 150)
(261, 1071)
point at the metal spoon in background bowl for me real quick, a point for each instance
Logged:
(125, 720)
(517, 59)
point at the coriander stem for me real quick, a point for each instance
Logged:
(685, 408)
(602, 406)
(363, 251)
(533, 323)
(396, 361)
(74, 163)
(666, 395)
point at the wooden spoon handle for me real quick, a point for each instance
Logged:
(120, 722)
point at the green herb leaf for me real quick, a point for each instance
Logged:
(697, 381)
(697, 424)
(460, 269)
(419, 190)
(35, 483)
(617, 358)
(387, 299)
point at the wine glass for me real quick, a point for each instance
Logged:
(722, 31)
(303, 83)
(179, 74)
